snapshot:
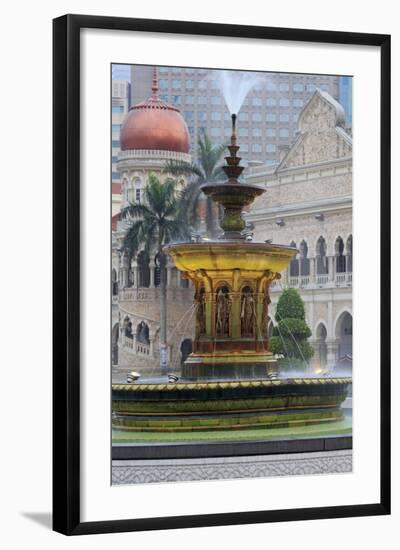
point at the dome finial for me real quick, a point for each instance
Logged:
(154, 86)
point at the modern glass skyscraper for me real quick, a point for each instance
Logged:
(267, 121)
(345, 96)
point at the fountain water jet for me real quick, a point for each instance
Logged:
(226, 381)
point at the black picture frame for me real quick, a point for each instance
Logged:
(66, 273)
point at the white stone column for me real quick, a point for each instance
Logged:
(332, 347)
(312, 270)
(332, 265)
(151, 346)
(135, 277)
(152, 277)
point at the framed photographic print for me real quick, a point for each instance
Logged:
(221, 274)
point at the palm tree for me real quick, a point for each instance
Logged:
(207, 170)
(156, 221)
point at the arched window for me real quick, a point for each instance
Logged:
(349, 253)
(142, 333)
(340, 257)
(304, 260)
(128, 327)
(114, 277)
(137, 185)
(294, 264)
(322, 260)
(143, 261)
(115, 336)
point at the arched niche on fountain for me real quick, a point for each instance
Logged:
(248, 313)
(200, 305)
(223, 310)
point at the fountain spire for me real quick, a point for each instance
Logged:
(232, 194)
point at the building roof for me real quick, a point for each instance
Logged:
(154, 125)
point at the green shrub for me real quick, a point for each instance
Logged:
(291, 332)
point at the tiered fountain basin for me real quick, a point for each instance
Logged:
(234, 267)
(221, 405)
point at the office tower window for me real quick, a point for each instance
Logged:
(202, 84)
(243, 132)
(271, 86)
(284, 117)
(256, 132)
(215, 84)
(244, 148)
(189, 99)
(176, 70)
(271, 117)
(284, 87)
(215, 131)
(116, 127)
(271, 148)
(189, 71)
(256, 102)
(284, 132)
(228, 131)
(176, 84)
(164, 97)
(216, 100)
(271, 132)
(163, 83)
(271, 102)
(216, 115)
(227, 116)
(256, 148)
(256, 117)
(298, 87)
(163, 69)
(114, 159)
(201, 115)
(298, 103)
(117, 108)
(243, 116)
(202, 100)
(176, 99)
(115, 175)
(284, 102)
(188, 115)
(115, 143)
(324, 87)
(311, 87)
(189, 84)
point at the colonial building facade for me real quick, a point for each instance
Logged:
(152, 133)
(308, 204)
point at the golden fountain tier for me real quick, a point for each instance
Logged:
(232, 281)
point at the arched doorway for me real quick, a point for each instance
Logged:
(143, 333)
(340, 257)
(114, 344)
(114, 283)
(322, 260)
(344, 331)
(186, 349)
(294, 263)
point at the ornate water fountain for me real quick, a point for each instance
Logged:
(230, 380)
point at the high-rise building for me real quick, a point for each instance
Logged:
(345, 97)
(267, 121)
(120, 102)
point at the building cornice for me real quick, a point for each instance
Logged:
(331, 204)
